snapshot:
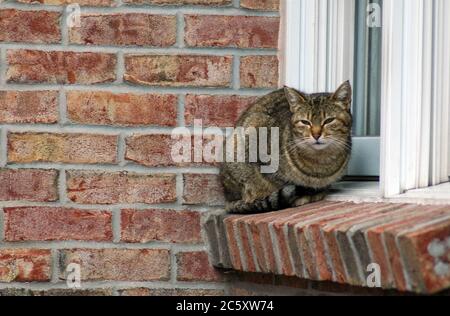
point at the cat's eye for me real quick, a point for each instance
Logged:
(329, 121)
(305, 122)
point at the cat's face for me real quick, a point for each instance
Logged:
(321, 121)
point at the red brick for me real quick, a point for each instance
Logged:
(67, 148)
(181, 2)
(119, 264)
(258, 225)
(92, 3)
(56, 292)
(73, 292)
(91, 187)
(259, 72)
(29, 26)
(383, 236)
(128, 109)
(142, 226)
(293, 268)
(220, 111)
(170, 292)
(392, 234)
(29, 107)
(125, 29)
(178, 71)
(262, 263)
(28, 185)
(233, 245)
(258, 246)
(316, 263)
(293, 221)
(25, 265)
(150, 150)
(422, 266)
(364, 222)
(325, 270)
(211, 192)
(241, 231)
(156, 150)
(306, 241)
(264, 5)
(195, 266)
(58, 67)
(231, 31)
(265, 256)
(47, 224)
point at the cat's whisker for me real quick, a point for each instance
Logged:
(338, 143)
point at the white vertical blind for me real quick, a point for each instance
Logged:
(415, 98)
(441, 92)
(318, 44)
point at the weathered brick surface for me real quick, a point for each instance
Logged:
(69, 148)
(195, 266)
(29, 107)
(61, 67)
(170, 292)
(265, 5)
(231, 31)
(93, 3)
(259, 72)
(139, 226)
(127, 109)
(211, 192)
(29, 26)
(150, 150)
(178, 71)
(220, 111)
(46, 224)
(91, 187)
(119, 264)
(28, 185)
(332, 241)
(56, 292)
(125, 29)
(181, 2)
(173, 150)
(25, 265)
(432, 243)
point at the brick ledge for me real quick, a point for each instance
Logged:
(336, 241)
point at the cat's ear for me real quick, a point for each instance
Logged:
(295, 98)
(343, 95)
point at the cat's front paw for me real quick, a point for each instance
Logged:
(302, 201)
(309, 199)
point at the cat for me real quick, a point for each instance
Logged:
(314, 150)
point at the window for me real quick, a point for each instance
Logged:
(329, 46)
(401, 77)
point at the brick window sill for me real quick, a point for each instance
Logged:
(337, 241)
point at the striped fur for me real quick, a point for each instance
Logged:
(315, 148)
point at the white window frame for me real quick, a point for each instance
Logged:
(415, 109)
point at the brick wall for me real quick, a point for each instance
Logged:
(85, 113)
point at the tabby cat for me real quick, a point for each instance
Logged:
(314, 150)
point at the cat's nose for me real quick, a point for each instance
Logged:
(316, 133)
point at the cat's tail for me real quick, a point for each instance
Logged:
(279, 200)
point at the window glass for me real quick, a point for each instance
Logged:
(367, 76)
